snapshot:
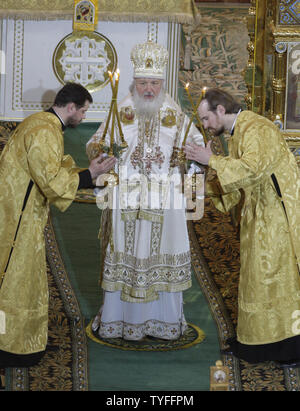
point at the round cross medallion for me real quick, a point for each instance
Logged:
(84, 57)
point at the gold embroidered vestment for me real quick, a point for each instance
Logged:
(269, 284)
(34, 152)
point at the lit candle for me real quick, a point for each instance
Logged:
(117, 76)
(123, 142)
(203, 91)
(111, 79)
(115, 108)
(187, 88)
(110, 109)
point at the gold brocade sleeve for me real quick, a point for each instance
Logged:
(256, 159)
(223, 202)
(55, 174)
(213, 189)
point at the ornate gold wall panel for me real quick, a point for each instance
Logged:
(176, 11)
(273, 72)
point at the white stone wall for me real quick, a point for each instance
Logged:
(29, 82)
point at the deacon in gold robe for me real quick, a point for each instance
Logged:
(261, 169)
(34, 172)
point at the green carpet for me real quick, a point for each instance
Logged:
(76, 233)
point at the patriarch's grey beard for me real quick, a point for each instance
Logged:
(146, 108)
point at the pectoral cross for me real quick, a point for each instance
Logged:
(156, 157)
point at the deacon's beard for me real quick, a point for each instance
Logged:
(147, 109)
(219, 131)
(72, 122)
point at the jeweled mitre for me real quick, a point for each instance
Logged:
(149, 60)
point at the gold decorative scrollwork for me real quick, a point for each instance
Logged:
(273, 71)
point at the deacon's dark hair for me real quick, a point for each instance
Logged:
(72, 93)
(216, 96)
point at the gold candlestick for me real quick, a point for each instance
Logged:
(114, 104)
(195, 113)
(111, 148)
(181, 154)
(113, 112)
(123, 142)
(199, 121)
(187, 131)
(102, 141)
(191, 100)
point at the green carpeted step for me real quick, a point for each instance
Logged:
(116, 369)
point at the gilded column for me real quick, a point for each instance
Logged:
(278, 81)
(249, 71)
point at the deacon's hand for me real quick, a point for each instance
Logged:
(198, 153)
(101, 165)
